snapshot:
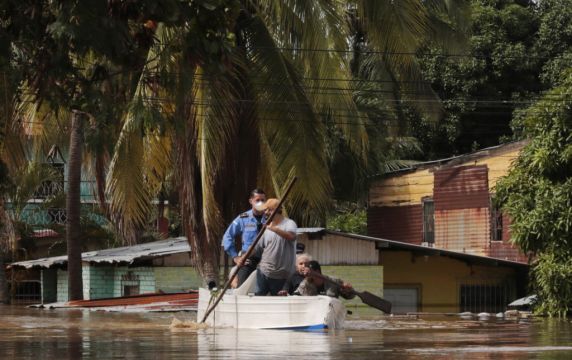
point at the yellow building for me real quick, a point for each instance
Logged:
(447, 204)
(417, 278)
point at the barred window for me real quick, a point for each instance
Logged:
(496, 224)
(428, 221)
(130, 284)
(484, 297)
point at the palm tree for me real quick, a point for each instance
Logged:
(66, 60)
(249, 106)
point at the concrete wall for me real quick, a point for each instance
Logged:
(104, 281)
(101, 280)
(62, 287)
(145, 275)
(176, 279)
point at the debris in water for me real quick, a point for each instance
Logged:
(191, 325)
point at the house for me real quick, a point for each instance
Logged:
(160, 266)
(44, 212)
(446, 204)
(41, 217)
(417, 278)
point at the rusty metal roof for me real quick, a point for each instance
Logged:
(127, 254)
(456, 160)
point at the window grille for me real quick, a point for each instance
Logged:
(428, 221)
(57, 216)
(496, 224)
(130, 284)
(489, 297)
(26, 291)
(51, 187)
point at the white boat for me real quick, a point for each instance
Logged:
(241, 309)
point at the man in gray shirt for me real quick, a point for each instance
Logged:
(278, 249)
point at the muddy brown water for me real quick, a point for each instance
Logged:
(74, 334)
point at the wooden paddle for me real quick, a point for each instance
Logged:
(365, 296)
(248, 253)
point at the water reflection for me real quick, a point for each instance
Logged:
(41, 334)
(235, 344)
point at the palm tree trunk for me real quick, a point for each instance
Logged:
(205, 257)
(73, 208)
(7, 245)
(3, 282)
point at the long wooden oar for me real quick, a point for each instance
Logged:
(248, 253)
(365, 296)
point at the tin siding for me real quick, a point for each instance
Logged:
(464, 230)
(340, 250)
(462, 187)
(404, 189)
(504, 249)
(401, 223)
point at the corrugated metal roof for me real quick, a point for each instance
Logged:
(490, 151)
(309, 230)
(126, 254)
(398, 245)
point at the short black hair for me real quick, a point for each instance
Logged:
(256, 191)
(314, 265)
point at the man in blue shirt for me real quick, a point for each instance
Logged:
(246, 226)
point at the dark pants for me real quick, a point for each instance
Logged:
(265, 285)
(247, 269)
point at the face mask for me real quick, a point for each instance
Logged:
(259, 206)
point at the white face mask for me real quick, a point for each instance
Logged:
(259, 206)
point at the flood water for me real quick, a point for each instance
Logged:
(75, 334)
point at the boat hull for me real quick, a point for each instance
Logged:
(273, 312)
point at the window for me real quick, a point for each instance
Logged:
(496, 224)
(428, 221)
(129, 284)
(51, 187)
(483, 297)
(26, 291)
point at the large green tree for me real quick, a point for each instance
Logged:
(537, 195)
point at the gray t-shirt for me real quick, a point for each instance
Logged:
(278, 259)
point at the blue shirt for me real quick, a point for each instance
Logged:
(247, 227)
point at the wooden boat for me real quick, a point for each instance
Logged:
(247, 311)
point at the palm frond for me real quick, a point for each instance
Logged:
(313, 36)
(395, 28)
(140, 163)
(291, 132)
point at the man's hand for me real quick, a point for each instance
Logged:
(346, 288)
(282, 293)
(238, 260)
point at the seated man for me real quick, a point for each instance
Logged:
(317, 284)
(302, 262)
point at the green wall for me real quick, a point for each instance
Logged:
(176, 279)
(362, 277)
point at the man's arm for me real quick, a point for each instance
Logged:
(288, 235)
(230, 234)
(289, 232)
